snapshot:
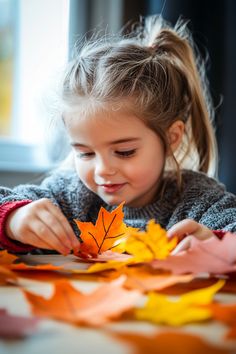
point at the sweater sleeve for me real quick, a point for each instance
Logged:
(207, 201)
(5, 241)
(221, 214)
(219, 233)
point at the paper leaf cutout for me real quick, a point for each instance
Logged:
(12, 326)
(108, 256)
(141, 277)
(227, 315)
(149, 245)
(101, 267)
(108, 231)
(160, 309)
(145, 281)
(7, 265)
(7, 258)
(212, 256)
(7, 276)
(68, 304)
(168, 342)
(44, 267)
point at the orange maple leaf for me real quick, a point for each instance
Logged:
(106, 234)
(7, 258)
(6, 261)
(41, 267)
(225, 313)
(168, 342)
(68, 304)
(7, 276)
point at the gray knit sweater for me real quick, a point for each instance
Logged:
(202, 199)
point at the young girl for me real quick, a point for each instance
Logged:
(137, 113)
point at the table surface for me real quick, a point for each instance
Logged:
(63, 338)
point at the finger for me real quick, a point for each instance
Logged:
(183, 228)
(65, 225)
(34, 240)
(45, 234)
(55, 227)
(183, 245)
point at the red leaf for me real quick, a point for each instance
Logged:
(12, 326)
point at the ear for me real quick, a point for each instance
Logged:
(175, 134)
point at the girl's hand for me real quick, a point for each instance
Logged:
(188, 227)
(43, 225)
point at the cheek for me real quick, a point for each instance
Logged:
(145, 171)
(83, 170)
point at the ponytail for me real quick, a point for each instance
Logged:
(177, 46)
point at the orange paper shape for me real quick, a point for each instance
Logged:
(168, 342)
(7, 258)
(226, 314)
(106, 234)
(140, 277)
(43, 267)
(7, 276)
(68, 304)
(145, 281)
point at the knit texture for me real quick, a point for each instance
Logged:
(202, 199)
(6, 242)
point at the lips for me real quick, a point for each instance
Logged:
(112, 188)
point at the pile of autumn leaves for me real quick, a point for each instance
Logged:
(134, 267)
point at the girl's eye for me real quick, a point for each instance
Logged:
(82, 155)
(127, 153)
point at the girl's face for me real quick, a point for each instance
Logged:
(117, 156)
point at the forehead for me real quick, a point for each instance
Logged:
(109, 115)
(113, 122)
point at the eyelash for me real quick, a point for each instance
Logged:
(127, 153)
(123, 154)
(85, 155)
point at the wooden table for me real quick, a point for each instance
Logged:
(62, 338)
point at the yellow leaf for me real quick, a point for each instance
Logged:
(100, 267)
(149, 245)
(187, 308)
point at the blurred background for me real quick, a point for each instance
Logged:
(37, 38)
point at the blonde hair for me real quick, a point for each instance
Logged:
(159, 69)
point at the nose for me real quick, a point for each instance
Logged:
(104, 167)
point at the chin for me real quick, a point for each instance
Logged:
(113, 201)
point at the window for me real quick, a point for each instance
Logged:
(33, 47)
(6, 64)
(35, 39)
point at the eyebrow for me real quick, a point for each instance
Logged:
(114, 142)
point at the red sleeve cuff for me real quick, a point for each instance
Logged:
(5, 241)
(219, 233)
